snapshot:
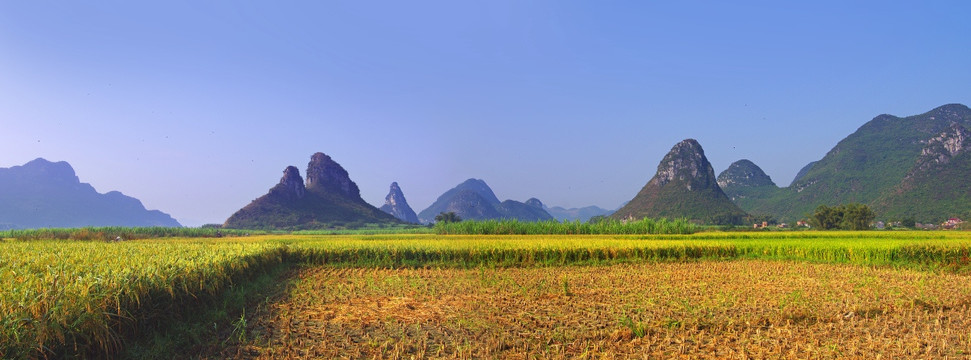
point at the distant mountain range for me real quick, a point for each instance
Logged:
(474, 200)
(683, 187)
(582, 214)
(913, 167)
(42, 194)
(328, 199)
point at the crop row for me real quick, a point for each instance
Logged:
(940, 250)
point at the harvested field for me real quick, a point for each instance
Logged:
(714, 294)
(709, 309)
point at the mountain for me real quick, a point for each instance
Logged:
(572, 214)
(684, 186)
(328, 199)
(802, 172)
(531, 210)
(42, 194)
(914, 166)
(473, 199)
(743, 173)
(534, 202)
(937, 186)
(396, 205)
(745, 183)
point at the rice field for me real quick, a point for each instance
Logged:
(621, 292)
(79, 298)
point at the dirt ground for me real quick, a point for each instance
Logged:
(712, 309)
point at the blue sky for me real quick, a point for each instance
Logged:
(197, 107)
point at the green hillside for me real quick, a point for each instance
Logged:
(868, 165)
(684, 187)
(937, 187)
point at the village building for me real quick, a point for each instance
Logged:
(951, 223)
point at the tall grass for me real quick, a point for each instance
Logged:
(79, 298)
(372, 229)
(553, 227)
(947, 251)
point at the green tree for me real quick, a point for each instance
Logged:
(852, 216)
(759, 218)
(908, 222)
(827, 218)
(856, 217)
(726, 219)
(447, 217)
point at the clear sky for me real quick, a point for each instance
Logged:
(196, 107)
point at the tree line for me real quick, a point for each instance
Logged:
(852, 216)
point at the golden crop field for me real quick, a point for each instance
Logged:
(78, 297)
(837, 293)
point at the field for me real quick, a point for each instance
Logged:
(716, 309)
(795, 294)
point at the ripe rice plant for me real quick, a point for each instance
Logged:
(79, 297)
(941, 250)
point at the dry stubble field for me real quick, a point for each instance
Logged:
(698, 309)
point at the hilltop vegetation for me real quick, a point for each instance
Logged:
(937, 186)
(915, 166)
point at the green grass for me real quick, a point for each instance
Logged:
(553, 227)
(923, 250)
(371, 229)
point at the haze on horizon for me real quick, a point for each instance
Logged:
(196, 108)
